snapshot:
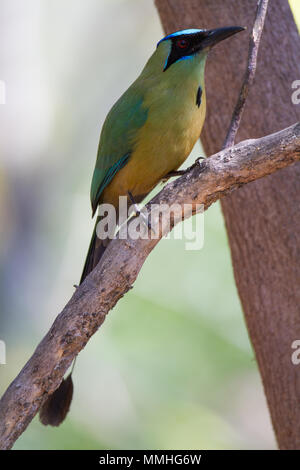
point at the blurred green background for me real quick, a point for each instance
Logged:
(172, 366)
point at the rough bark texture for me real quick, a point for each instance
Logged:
(262, 219)
(203, 184)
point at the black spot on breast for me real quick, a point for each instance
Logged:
(198, 97)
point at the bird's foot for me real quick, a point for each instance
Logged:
(201, 162)
(198, 161)
(139, 212)
(171, 174)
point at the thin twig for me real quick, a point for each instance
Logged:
(255, 37)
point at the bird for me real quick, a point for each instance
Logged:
(147, 135)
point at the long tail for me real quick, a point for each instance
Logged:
(57, 405)
(95, 252)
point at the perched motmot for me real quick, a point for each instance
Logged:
(147, 135)
(152, 128)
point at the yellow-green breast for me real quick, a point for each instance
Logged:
(171, 130)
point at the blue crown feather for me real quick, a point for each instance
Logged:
(180, 33)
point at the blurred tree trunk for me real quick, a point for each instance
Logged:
(262, 219)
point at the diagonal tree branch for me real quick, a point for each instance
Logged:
(204, 184)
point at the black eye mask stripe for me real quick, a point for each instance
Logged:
(178, 53)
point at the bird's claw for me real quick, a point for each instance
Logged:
(139, 212)
(173, 174)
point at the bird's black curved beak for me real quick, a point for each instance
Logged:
(213, 36)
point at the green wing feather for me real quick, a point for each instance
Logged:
(117, 138)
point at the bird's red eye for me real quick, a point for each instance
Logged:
(182, 43)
